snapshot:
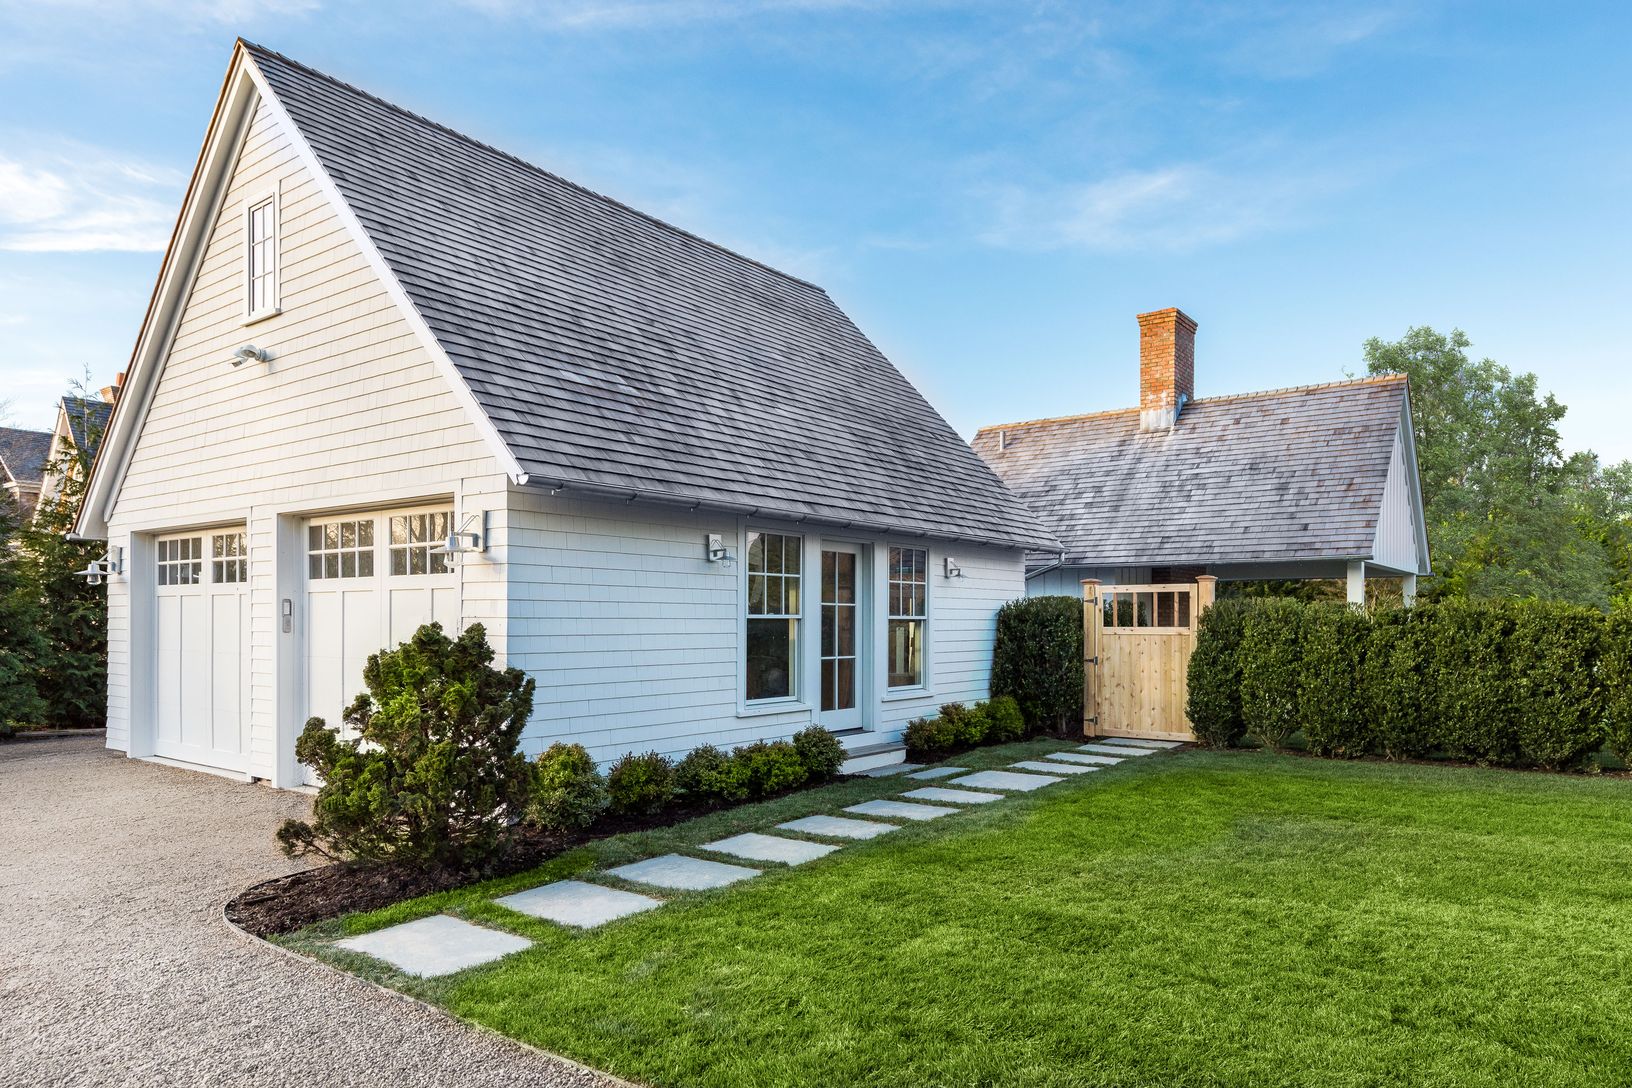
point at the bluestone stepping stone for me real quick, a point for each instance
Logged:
(757, 847)
(438, 945)
(682, 873)
(1117, 750)
(837, 827)
(575, 903)
(1006, 780)
(888, 769)
(1142, 742)
(1082, 757)
(1052, 768)
(905, 810)
(955, 797)
(937, 772)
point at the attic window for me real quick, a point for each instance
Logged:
(261, 257)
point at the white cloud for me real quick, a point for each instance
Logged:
(82, 199)
(1178, 207)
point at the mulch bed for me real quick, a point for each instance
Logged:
(287, 903)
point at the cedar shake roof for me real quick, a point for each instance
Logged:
(1258, 477)
(619, 355)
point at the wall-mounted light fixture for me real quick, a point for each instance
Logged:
(470, 538)
(717, 552)
(250, 353)
(952, 568)
(98, 571)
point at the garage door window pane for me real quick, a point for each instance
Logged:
(416, 543)
(341, 549)
(229, 558)
(181, 561)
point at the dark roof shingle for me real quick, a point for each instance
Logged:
(23, 454)
(1282, 475)
(618, 354)
(87, 421)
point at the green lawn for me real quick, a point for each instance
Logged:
(1191, 918)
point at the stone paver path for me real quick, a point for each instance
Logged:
(576, 903)
(938, 772)
(1005, 780)
(438, 945)
(1053, 768)
(757, 847)
(681, 873)
(1143, 742)
(952, 797)
(837, 827)
(1116, 750)
(899, 809)
(888, 770)
(1084, 757)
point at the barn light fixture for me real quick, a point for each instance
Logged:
(717, 552)
(98, 571)
(466, 540)
(952, 568)
(249, 352)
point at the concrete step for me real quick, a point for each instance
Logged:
(871, 757)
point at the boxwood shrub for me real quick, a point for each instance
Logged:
(1214, 700)
(1558, 693)
(1271, 670)
(819, 751)
(569, 791)
(1331, 703)
(1474, 707)
(640, 785)
(1394, 682)
(1037, 660)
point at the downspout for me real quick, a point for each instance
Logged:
(1056, 565)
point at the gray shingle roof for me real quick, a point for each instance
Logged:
(87, 421)
(23, 454)
(617, 354)
(1287, 474)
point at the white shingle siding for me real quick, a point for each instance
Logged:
(350, 411)
(1397, 528)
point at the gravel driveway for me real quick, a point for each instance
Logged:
(116, 967)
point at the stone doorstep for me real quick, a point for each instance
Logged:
(954, 797)
(680, 873)
(576, 903)
(1005, 780)
(905, 810)
(1053, 768)
(1080, 757)
(837, 827)
(937, 772)
(438, 945)
(1118, 750)
(757, 847)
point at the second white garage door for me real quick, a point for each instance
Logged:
(371, 581)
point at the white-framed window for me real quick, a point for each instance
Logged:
(908, 617)
(414, 540)
(181, 561)
(229, 557)
(261, 256)
(340, 549)
(771, 648)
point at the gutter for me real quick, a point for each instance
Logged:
(1056, 565)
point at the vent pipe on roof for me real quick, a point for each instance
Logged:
(1167, 367)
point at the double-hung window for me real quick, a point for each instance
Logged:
(909, 600)
(772, 646)
(261, 257)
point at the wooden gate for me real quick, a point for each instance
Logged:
(1136, 655)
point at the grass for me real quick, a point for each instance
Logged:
(1195, 918)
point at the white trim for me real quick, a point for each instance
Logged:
(796, 700)
(393, 287)
(274, 305)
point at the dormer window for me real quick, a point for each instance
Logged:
(261, 257)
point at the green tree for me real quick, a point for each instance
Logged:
(21, 647)
(1508, 514)
(72, 615)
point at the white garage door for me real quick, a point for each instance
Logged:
(202, 683)
(371, 581)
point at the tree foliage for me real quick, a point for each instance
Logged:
(22, 649)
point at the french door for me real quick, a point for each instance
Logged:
(841, 643)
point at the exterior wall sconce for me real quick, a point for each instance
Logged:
(952, 568)
(717, 552)
(98, 571)
(248, 353)
(468, 539)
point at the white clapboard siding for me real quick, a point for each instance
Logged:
(634, 637)
(1397, 530)
(350, 411)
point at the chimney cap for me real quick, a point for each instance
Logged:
(1169, 313)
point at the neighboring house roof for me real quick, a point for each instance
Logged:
(87, 421)
(616, 354)
(23, 455)
(1289, 474)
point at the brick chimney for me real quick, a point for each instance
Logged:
(1167, 367)
(110, 393)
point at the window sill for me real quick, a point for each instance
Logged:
(779, 706)
(901, 695)
(261, 315)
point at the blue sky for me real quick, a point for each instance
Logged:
(992, 190)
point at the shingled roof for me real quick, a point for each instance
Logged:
(87, 421)
(1290, 474)
(23, 454)
(619, 355)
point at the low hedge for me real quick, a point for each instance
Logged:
(1501, 683)
(958, 728)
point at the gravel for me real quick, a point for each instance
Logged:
(116, 967)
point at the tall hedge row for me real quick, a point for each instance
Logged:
(1504, 683)
(1037, 660)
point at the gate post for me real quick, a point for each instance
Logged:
(1091, 619)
